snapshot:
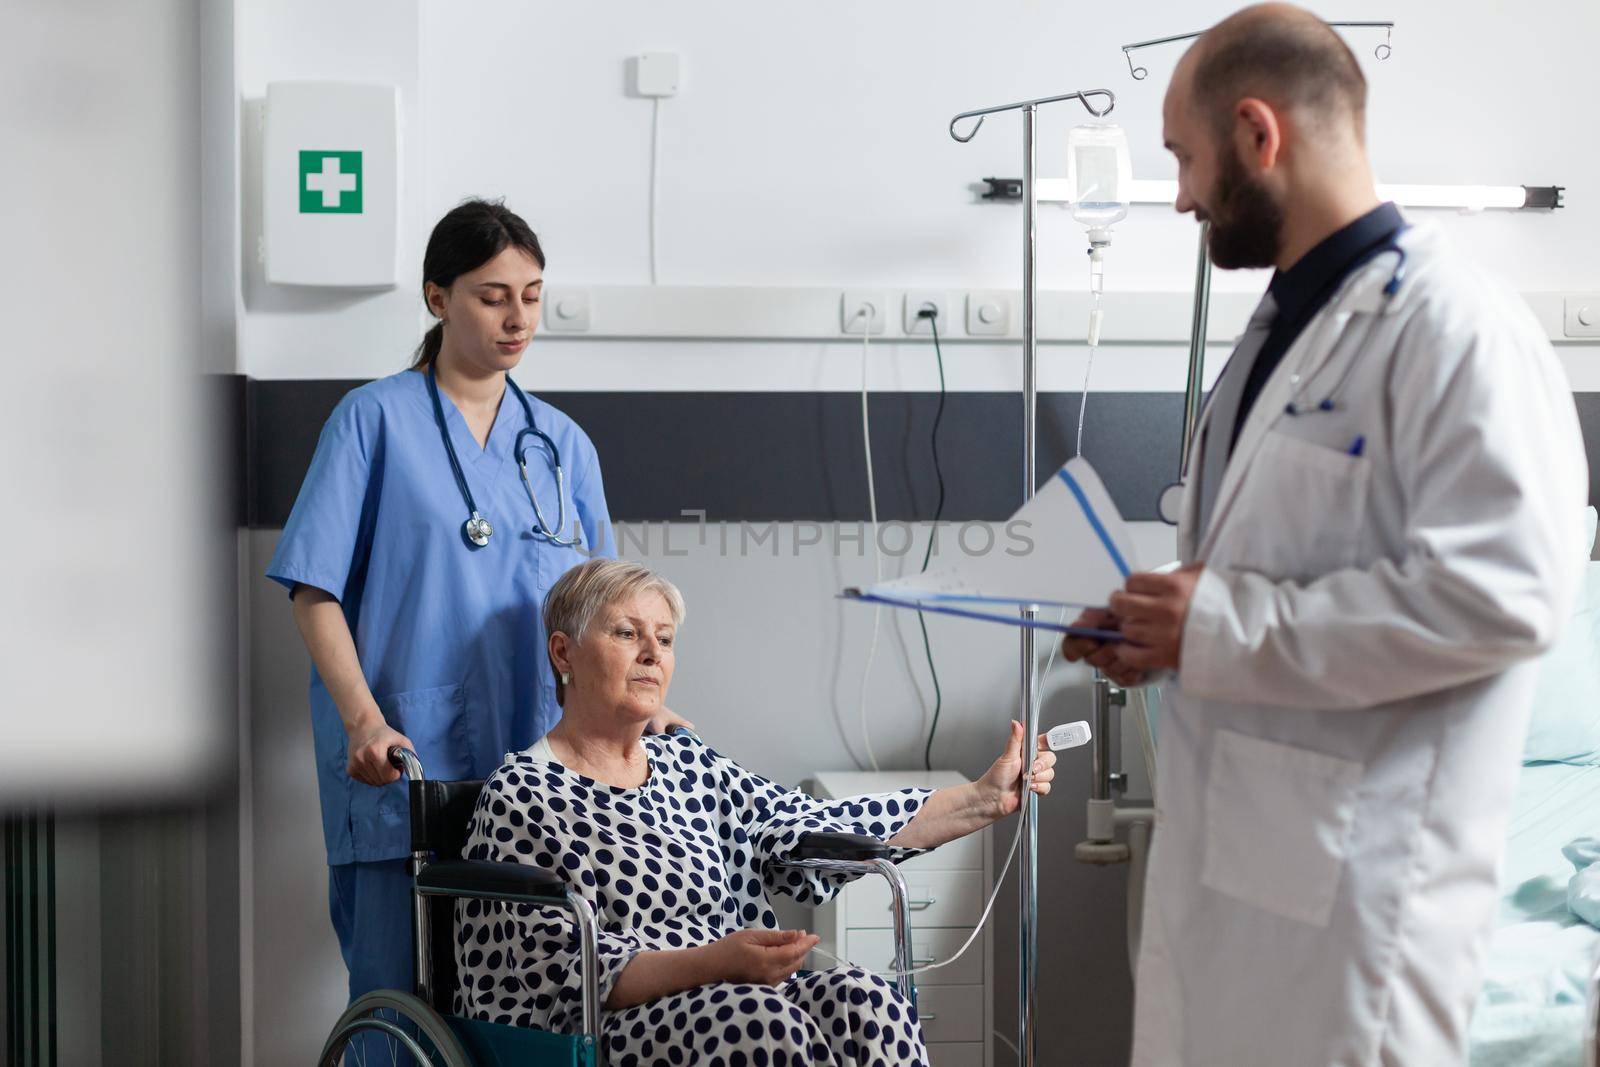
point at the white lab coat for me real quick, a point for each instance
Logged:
(1336, 767)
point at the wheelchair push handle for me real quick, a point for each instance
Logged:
(407, 761)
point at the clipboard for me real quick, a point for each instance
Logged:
(1109, 637)
(1080, 553)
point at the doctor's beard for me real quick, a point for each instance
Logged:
(1246, 223)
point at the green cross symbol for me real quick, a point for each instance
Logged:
(330, 183)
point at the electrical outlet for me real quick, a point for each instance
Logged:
(988, 314)
(916, 300)
(1582, 316)
(567, 311)
(863, 311)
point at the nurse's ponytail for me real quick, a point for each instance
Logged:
(428, 350)
(473, 233)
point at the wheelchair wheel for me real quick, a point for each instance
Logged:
(392, 1028)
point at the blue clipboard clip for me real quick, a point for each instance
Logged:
(1107, 636)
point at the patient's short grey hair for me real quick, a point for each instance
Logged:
(580, 595)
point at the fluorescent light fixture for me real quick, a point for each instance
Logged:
(1458, 197)
(1464, 197)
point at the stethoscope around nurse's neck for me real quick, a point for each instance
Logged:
(477, 530)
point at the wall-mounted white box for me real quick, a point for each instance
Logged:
(1581, 314)
(988, 314)
(657, 74)
(567, 310)
(331, 184)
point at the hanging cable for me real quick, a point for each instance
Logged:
(1029, 753)
(655, 187)
(933, 532)
(877, 551)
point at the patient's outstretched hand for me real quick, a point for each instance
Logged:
(1001, 782)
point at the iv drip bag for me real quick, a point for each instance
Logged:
(1099, 177)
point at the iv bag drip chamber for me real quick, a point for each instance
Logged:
(1068, 735)
(1097, 283)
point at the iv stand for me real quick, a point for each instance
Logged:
(1028, 879)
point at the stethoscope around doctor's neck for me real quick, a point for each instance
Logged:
(1169, 503)
(476, 529)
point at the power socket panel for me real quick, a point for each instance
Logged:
(863, 311)
(916, 300)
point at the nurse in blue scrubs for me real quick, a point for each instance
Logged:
(429, 527)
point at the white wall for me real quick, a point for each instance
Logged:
(808, 146)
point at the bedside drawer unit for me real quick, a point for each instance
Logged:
(874, 950)
(951, 1013)
(946, 889)
(937, 898)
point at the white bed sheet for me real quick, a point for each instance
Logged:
(1532, 1011)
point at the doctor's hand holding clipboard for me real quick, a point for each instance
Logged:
(1149, 612)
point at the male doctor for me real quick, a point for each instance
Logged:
(1380, 532)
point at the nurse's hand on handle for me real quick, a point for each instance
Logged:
(369, 752)
(327, 635)
(665, 721)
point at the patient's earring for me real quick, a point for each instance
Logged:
(565, 677)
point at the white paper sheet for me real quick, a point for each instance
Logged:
(1067, 547)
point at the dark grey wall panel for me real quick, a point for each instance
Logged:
(1589, 419)
(785, 456)
(798, 456)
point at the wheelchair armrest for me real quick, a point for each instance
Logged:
(491, 881)
(827, 845)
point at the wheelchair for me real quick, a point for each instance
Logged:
(416, 1027)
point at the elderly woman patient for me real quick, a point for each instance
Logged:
(673, 845)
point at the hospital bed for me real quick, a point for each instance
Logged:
(1541, 988)
(1540, 1002)
(415, 1028)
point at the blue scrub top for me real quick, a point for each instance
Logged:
(451, 638)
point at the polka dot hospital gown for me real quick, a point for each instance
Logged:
(678, 862)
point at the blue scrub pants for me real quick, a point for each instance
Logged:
(371, 908)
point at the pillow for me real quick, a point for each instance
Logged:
(1583, 892)
(1565, 726)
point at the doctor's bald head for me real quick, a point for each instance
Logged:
(1266, 109)
(1284, 56)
